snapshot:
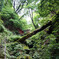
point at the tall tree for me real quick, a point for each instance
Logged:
(31, 16)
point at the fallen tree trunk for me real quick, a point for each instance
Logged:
(33, 33)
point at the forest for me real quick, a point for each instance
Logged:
(29, 29)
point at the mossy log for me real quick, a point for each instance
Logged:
(33, 33)
(51, 23)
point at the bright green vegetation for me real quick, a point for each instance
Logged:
(37, 40)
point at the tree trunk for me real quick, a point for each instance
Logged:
(33, 33)
(31, 16)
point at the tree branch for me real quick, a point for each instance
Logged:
(18, 7)
(14, 5)
(22, 16)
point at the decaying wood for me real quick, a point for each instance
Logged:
(33, 33)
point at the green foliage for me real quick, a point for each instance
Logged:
(7, 3)
(47, 7)
(8, 13)
(1, 4)
(43, 45)
(10, 17)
